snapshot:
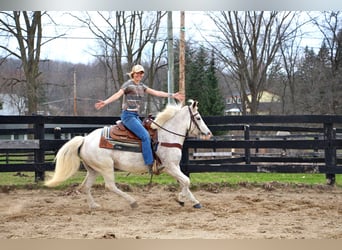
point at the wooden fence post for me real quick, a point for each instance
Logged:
(57, 133)
(247, 149)
(330, 151)
(257, 148)
(316, 152)
(39, 154)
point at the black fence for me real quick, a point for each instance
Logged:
(283, 144)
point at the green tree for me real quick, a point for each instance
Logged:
(195, 76)
(202, 82)
(215, 101)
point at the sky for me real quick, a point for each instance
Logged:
(78, 43)
(75, 46)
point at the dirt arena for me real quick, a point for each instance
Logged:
(269, 211)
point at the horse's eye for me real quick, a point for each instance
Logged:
(198, 118)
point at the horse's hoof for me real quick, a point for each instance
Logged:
(134, 205)
(198, 205)
(94, 206)
(181, 203)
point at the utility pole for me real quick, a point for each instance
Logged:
(75, 94)
(182, 54)
(170, 56)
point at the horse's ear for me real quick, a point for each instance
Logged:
(194, 104)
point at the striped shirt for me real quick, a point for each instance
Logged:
(134, 95)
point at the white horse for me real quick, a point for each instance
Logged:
(173, 125)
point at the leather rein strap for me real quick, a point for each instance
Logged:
(171, 145)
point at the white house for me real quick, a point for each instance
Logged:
(11, 104)
(269, 102)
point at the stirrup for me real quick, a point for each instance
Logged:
(156, 168)
(150, 169)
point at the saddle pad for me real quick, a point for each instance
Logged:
(107, 142)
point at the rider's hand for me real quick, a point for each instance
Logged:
(100, 104)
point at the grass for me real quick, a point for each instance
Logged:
(24, 179)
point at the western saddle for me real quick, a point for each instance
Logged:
(120, 133)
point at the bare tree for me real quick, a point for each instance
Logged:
(290, 51)
(329, 24)
(124, 36)
(247, 44)
(26, 28)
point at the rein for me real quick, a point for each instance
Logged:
(168, 144)
(171, 132)
(177, 145)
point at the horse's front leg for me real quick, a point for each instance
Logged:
(184, 182)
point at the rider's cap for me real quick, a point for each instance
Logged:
(136, 68)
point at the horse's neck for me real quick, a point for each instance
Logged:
(178, 125)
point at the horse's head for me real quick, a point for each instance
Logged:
(197, 126)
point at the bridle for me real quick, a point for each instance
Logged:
(192, 121)
(178, 145)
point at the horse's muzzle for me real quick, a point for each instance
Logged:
(206, 136)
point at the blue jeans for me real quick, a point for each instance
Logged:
(132, 121)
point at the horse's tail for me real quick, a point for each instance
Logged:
(67, 161)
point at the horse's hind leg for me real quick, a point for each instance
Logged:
(87, 184)
(110, 184)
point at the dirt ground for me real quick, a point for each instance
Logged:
(270, 211)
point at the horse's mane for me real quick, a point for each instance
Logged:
(165, 115)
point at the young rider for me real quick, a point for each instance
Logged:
(133, 92)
